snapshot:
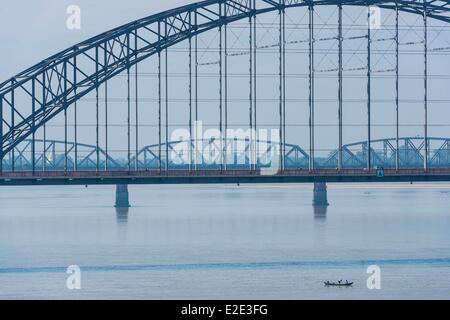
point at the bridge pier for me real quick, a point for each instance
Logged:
(122, 197)
(320, 195)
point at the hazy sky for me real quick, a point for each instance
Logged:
(33, 30)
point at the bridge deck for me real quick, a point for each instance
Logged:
(221, 177)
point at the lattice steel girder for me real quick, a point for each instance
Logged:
(295, 155)
(71, 74)
(89, 152)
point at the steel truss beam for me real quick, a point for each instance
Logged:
(383, 152)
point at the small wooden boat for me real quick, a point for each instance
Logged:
(338, 284)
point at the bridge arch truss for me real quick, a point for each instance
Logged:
(32, 98)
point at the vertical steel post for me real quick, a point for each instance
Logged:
(190, 103)
(196, 99)
(97, 146)
(190, 97)
(136, 119)
(280, 71)
(13, 157)
(250, 97)
(136, 116)
(33, 137)
(44, 142)
(106, 127)
(340, 157)
(106, 111)
(282, 79)
(97, 119)
(425, 83)
(255, 95)
(226, 94)
(397, 133)
(369, 155)
(166, 77)
(311, 86)
(75, 165)
(159, 101)
(284, 85)
(128, 105)
(221, 87)
(65, 119)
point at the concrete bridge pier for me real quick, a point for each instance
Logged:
(122, 197)
(320, 195)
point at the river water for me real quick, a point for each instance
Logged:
(225, 242)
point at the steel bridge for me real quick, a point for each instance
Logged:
(321, 73)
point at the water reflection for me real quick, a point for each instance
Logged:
(320, 212)
(122, 215)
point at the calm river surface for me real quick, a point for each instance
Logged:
(222, 242)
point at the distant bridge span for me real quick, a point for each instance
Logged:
(237, 172)
(383, 155)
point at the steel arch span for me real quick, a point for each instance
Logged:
(52, 86)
